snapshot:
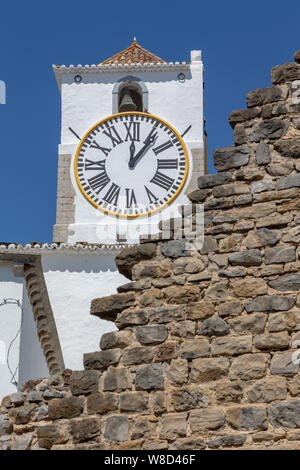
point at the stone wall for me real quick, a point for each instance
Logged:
(204, 353)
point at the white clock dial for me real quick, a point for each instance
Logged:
(131, 164)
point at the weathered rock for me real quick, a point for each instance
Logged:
(228, 440)
(231, 345)
(115, 339)
(85, 429)
(50, 434)
(246, 258)
(84, 382)
(116, 428)
(263, 96)
(67, 408)
(107, 308)
(102, 403)
(241, 115)
(249, 366)
(22, 442)
(173, 426)
(263, 185)
(267, 436)
(247, 417)
(189, 398)
(182, 294)
(209, 418)
(166, 314)
(166, 351)
(254, 323)
(267, 390)
(177, 371)
(137, 355)
(188, 443)
(231, 157)
(101, 360)
(217, 292)
(286, 414)
(175, 248)
(149, 377)
(151, 334)
(192, 349)
(287, 182)
(214, 326)
(17, 399)
(287, 282)
(117, 379)
(272, 341)
(229, 391)
(132, 255)
(297, 56)
(294, 385)
(272, 129)
(262, 154)
(208, 369)
(209, 181)
(279, 255)
(245, 287)
(184, 329)
(288, 147)
(144, 428)
(267, 303)
(200, 310)
(6, 426)
(134, 401)
(230, 190)
(284, 321)
(34, 397)
(283, 363)
(131, 318)
(231, 308)
(285, 73)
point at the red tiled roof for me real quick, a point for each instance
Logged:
(134, 54)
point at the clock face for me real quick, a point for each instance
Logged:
(131, 165)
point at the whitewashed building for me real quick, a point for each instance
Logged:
(96, 216)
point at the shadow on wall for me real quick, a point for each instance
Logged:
(77, 263)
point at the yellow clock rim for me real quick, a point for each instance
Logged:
(144, 214)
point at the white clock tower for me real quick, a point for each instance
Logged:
(132, 145)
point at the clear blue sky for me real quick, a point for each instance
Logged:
(241, 42)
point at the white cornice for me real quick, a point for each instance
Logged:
(46, 248)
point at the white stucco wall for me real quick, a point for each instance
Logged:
(10, 320)
(73, 280)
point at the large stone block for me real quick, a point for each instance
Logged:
(249, 366)
(177, 371)
(209, 181)
(198, 347)
(6, 425)
(51, 434)
(134, 401)
(150, 377)
(228, 440)
(286, 414)
(253, 323)
(173, 426)
(284, 321)
(166, 314)
(262, 154)
(208, 418)
(175, 248)
(267, 390)
(200, 310)
(272, 129)
(263, 96)
(288, 147)
(280, 255)
(101, 360)
(292, 181)
(267, 303)
(188, 443)
(116, 428)
(137, 355)
(115, 339)
(131, 318)
(132, 255)
(246, 258)
(282, 363)
(285, 73)
(247, 286)
(214, 326)
(151, 334)
(85, 429)
(117, 379)
(287, 282)
(107, 308)
(247, 417)
(67, 408)
(144, 428)
(189, 398)
(231, 157)
(208, 369)
(272, 341)
(102, 403)
(84, 382)
(231, 345)
(241, 115)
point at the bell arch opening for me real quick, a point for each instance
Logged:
(130, 94)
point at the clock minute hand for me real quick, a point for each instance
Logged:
(148, 143)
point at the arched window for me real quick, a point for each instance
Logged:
(130, 94)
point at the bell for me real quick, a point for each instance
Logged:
(127, 103)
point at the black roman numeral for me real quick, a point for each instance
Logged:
(113, 135)
(163, 147)
(133, 131)
(98, 182)
(162, 180)
(90, 165)
(171, 164)
(151, 196)
(130, 198)
(95, 145)
(112, 194)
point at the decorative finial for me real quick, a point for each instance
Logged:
(134, 40)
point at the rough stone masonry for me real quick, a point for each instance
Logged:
(204, 355)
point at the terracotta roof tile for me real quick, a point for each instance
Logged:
(133, 54)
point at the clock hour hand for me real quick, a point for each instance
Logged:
(132, 150)
(148, 143)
